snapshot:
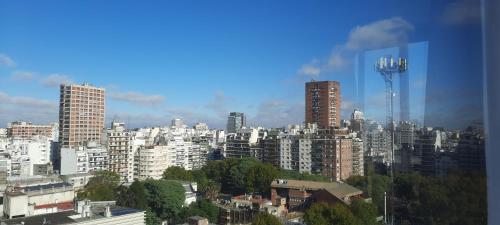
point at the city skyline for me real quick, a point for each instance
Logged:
(201, 68)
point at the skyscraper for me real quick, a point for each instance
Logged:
(235, 121)
(81, 115)
(323, 103)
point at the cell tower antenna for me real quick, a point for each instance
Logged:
(388, 67)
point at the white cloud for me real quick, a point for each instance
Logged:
(379, 34)
(311, 69)
(22, 76)
(462, 12)
(219, 104)
(135, 120)
(54, 80)
(138, 98)
(337, 60)
(279, 113)
(347, 106)
(5, 60)
(26, 101)
(26, 108)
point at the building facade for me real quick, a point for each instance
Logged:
(121, 152)
(322, 100)
(151, 162)
(235, 121)
(81, 114)
(27, 130)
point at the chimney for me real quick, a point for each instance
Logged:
(107, 212)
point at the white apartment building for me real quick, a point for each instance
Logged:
(289, 152)
(21, 156)
(151, 162)
(74, 161)
(98, 157)
(305, 155)
(357, 157)
(84, 159)
(121, 152)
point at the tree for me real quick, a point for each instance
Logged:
(210, 190)
(324, 214)
(295, 175)
(374, 185)
(239, 176)
(151, 218)
(134, 196)
(366, 212)
(101, 187)
(265, 219)
(177, 173)
(431, 200)
(165, 197)
(201, 208)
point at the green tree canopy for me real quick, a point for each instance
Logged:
(324, 214)
(177, 173)
(452, 200)
(238, 176)
(366, 212)
(134, 196)
(165, 197)
(101, 187)
(201, 208)
(265, 219)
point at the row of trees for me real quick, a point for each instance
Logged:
(235, 176)
(358, 213)
(455, 199)
(163, 199)
(373, 185)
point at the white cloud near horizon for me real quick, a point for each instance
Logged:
(36, 110)
(55, 79)
(26, 101)
(278, 113)
(137, 98)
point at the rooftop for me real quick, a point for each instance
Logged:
(68, 217)
(339, 190)
(46, 186)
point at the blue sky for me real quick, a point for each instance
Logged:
(198, 60)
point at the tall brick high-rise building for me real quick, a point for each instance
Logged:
(323, 103)
(81, 115)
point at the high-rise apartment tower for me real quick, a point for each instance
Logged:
(323, 103)
(81, 115)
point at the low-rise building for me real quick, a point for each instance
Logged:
(27, 130)
(86, 213)
(38, 199)
(242, 209)
(300, 194)
(78, 180)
